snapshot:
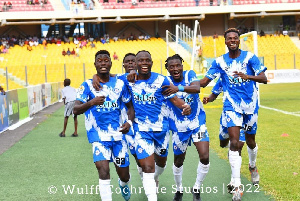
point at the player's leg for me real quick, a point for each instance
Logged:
(67, 113)
(75, 125)
(132, 146)
(102, 155)
(234, 123)
(161, 147)
(121, 161)
(180, 141)
(201, 141)
(145, 155)
(250, 132)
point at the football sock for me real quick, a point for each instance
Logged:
(105, 190)
(202, 171)
(235, 162)
(149, 186)
(177, 172)
(252, 156)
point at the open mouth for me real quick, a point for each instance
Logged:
(176, 74)
(233, 45)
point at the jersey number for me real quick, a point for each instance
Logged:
(120, 161)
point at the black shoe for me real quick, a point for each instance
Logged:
(74, 135)
(178, 196)
(62, 135)
(196, 195)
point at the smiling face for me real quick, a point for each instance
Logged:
(144, 63)
(232, 41)
(102, 64)
(175, 68)
(129, 63)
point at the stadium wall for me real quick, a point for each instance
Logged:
(19, 104)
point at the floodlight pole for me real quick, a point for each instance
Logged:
(177, 36)
(167, 40)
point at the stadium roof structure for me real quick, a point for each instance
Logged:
(146, 14)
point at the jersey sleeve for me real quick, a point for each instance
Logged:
(218, 88)
(257, 65)
(83, 93)
(213, 71)
(167, 82)
(192, 77)
(126, 97)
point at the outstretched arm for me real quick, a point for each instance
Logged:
(186, 109)
(204, 82)
(261, 77)
(211, 98)
(194, 88)
(81, 107)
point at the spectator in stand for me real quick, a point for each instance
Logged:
(147, 37)
(73, 52)
(4, 7)
(262, 33)
(141, 0)
(92, 5)
(116, 38)
(93, 45)
(103, 40)
(141, 36)
(36, 42)
(76, 41)
(83, 43)
(36, 2)
(134, 3)
(115, 56)
(45, 43)
(120, 1)
(68, 52)
(58, 42)
(64, 53)
(29, 48)
(9, 5)
(197, 2)
(2, 92)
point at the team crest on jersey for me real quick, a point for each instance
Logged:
(140, 150)
(175, 147)
(97, 152)
(81, 89)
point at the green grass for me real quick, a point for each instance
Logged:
(42, 159)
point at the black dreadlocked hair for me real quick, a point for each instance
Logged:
(175, 56)
(128, 54)
(231, 30)
(102, 52)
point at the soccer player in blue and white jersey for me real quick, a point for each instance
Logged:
(129, 64)
(104, 124)
(151, 125)
(185, 129)
(240, 71)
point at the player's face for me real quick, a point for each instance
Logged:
(102, 64)
(144, 63)
(129, 63)
(175, 69)
(232, 41)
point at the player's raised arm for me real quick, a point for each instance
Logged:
(186, 109)
(81, 107)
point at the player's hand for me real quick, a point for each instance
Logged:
(205, 100)
(170, 89)
(186, 109)
(125, 128)
(96, 83)
(240, 74)
(98, 100)
(132, 76)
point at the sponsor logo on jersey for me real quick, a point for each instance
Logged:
(144, 97)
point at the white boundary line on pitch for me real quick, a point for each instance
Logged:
(282, 111)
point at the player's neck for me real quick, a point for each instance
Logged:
(104, 77)
(144, 76)
(234, 53)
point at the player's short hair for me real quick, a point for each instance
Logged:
(67, 82)
(102, 52)
(175, 56)
(143, 51)
(128, 54)
(231, 30)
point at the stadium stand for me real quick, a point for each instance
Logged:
(279, 52)
(23, 5)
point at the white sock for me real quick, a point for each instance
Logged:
(149, 186)
(177, 172)
(122, 183)
(140, 171)
(202, 171)
(105, 190)
(158, 171)
(252, 156)
(235, 162)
